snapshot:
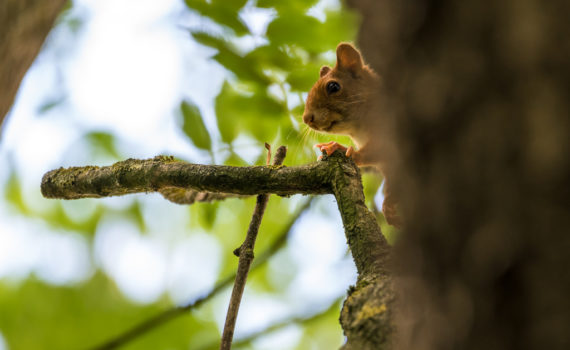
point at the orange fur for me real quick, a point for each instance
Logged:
(352, 110)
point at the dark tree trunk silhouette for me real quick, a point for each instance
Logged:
(476, 97)
(24, 25)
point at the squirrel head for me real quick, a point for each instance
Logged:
(340, 99)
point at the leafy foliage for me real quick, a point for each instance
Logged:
(263, 96)
(193, 126)
(261, 100)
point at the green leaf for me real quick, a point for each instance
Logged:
(304, 77)
(243, 68)
(87, 315)
(193, 126)
(207, 213)
(297, 29)
(281, 5)
(135, 213)
(233, 5)
(273, 56)
(13, 193)
(208, 39)
(58, 218)
(235, 160)
(226, 114)
(228, 16)
(258, 114)
(339, 26)
(103, 142)
(298, 111)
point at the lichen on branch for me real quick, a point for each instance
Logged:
(162, 172)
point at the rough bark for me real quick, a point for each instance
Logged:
(476, 96)
(24, 25)
(135, 176)
(367, 313)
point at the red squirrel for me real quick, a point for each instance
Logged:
(343, 101)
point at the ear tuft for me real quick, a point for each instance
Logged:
(348, 58)
(324, 71)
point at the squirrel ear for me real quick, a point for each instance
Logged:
(348, 58)
(324, 70)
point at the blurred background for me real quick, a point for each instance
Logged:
(207, 82)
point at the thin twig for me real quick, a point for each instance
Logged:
(160, 319)
(170, 314)
(245, 259)
(279, 325)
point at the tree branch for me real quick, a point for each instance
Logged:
(367, 315)
(150, 175)
(245, 253)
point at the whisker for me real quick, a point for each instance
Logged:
(301, 141)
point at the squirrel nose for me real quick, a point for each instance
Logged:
(308, 118)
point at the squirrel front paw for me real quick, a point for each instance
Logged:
(332, 146)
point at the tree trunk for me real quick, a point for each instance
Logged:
(476, 98)
(24, 25)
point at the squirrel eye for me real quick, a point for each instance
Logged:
(333, 87)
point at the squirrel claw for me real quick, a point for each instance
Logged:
(325, 144)
(330, 147)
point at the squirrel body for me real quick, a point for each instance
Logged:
(344, 101)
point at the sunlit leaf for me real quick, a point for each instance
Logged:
(225, 15)
(298, 111)
(298, 5)
(135, 213)
(59, 219)
(273, 56)
(235, 160)
(207, 213)
(302, 78)
(338, 26)
(298, 29)
(208, 39)
(233, 5)
(193, 126)
(226, 113)
(87, 315)
(243, 67)
(103, 142)
(256, 114)
(13, 194)
(323, 332)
